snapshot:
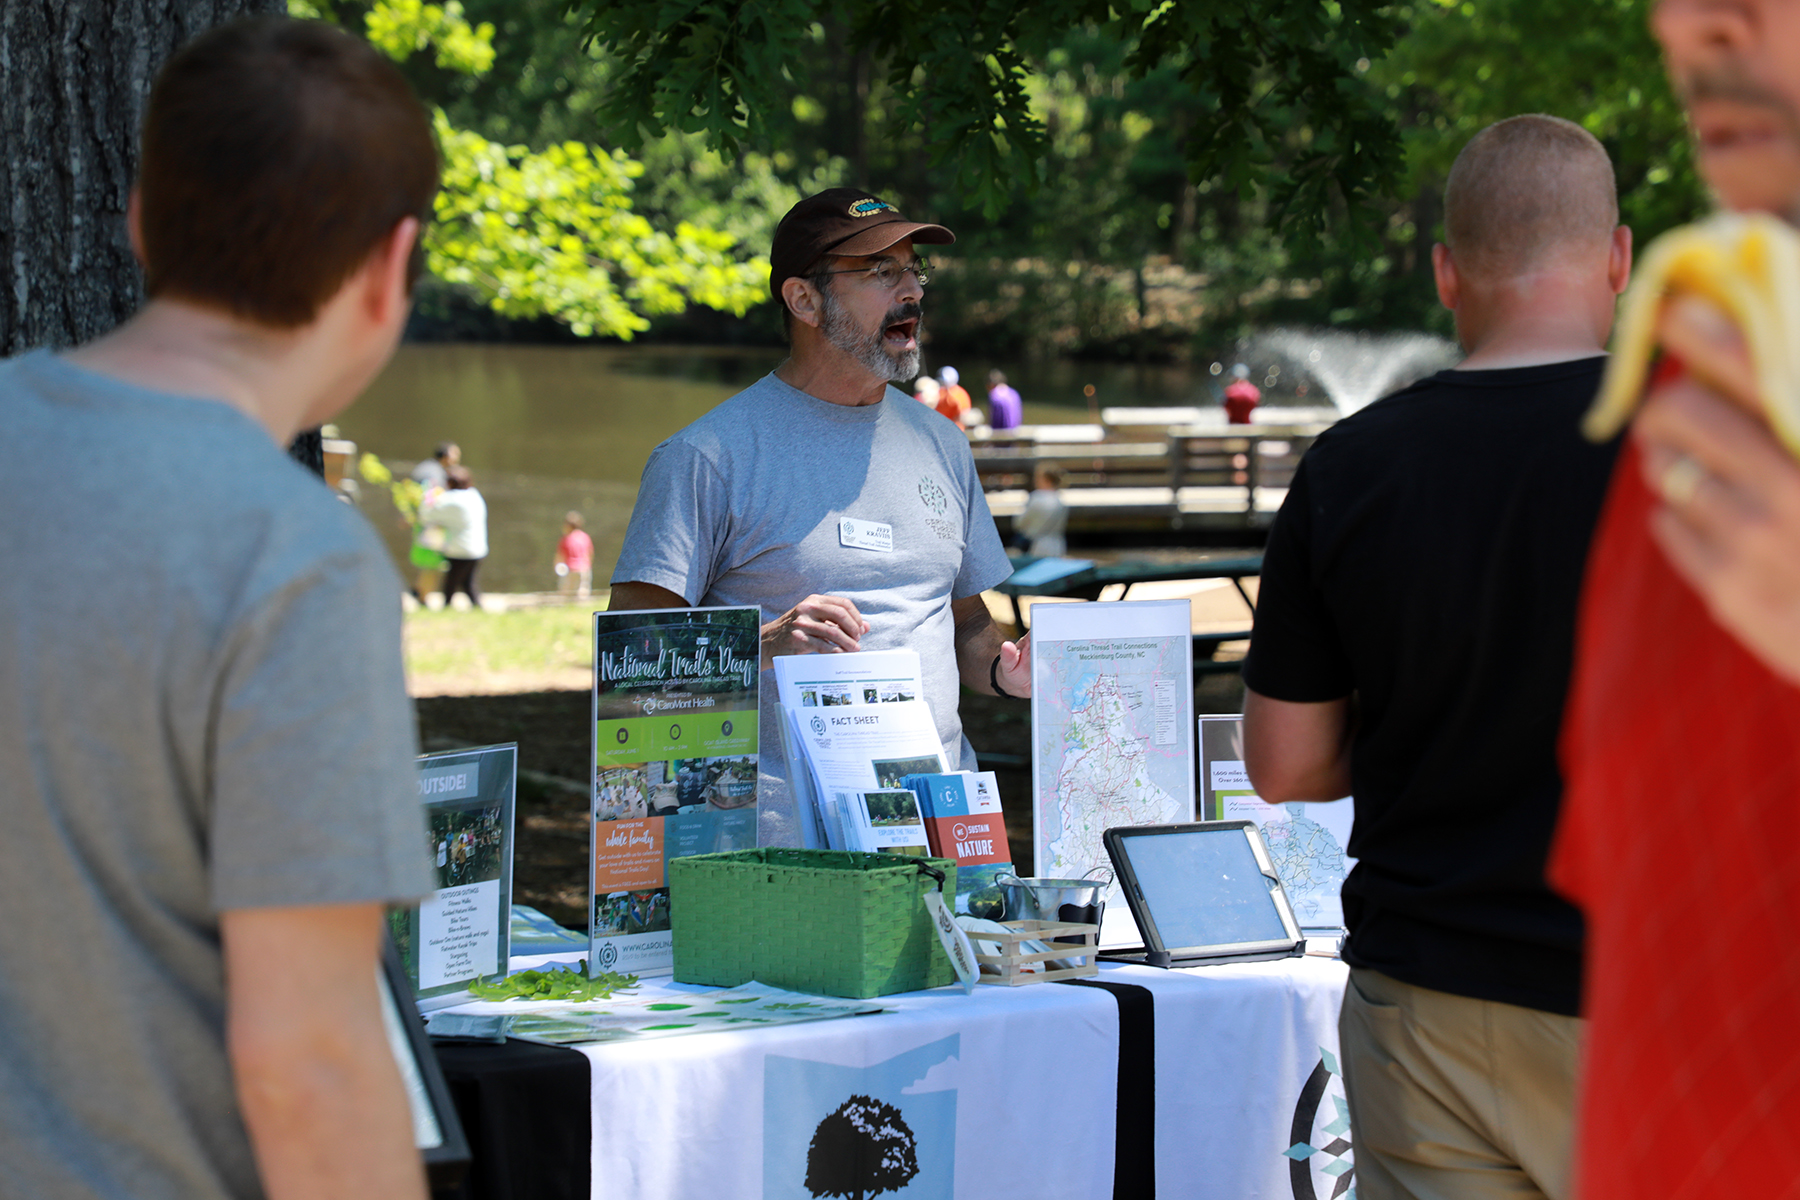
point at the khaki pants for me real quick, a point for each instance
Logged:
(1453, 1098)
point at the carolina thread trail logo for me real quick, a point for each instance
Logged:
(1312, 1139)
(932, 495)
(869, 206)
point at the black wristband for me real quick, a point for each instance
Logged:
(994, 681)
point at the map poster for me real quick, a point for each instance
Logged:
(675, 733)
(459, 933)
(1306, 841)
(1112, 731)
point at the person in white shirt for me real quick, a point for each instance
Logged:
(462, 514)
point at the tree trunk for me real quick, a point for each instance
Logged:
(75, 75)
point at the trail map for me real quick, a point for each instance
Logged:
(1112, 727)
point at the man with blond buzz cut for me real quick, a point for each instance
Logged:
(1412, 646)
(204, 732)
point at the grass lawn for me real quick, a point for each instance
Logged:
(472, 653)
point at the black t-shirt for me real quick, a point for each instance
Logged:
(1428, 559)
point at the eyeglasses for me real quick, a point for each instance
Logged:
(887, 272)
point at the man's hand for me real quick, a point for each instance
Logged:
(1730, 520)
(978, 641)
(816, 625)
(1015, 666)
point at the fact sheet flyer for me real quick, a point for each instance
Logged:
(675, 746)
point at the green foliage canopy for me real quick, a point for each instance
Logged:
(553, 231)
(1275, 87)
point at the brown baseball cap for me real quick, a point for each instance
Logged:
(846, 221)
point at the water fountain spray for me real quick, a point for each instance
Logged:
(1356, 369)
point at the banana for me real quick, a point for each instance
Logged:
(1746, 263)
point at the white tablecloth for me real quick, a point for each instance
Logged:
(1006, 1093)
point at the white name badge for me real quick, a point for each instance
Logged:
(865, 535)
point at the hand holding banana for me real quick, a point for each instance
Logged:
(1745, 267)
(1720, 439)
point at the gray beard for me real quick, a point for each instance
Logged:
(866, 348)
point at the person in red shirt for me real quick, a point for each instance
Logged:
(575, 557)
(1681, 743)
(1241, 396)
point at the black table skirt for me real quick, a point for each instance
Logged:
(526, 1110)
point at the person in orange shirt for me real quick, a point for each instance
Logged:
(953, 398)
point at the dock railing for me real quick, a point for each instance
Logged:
(1194, 476)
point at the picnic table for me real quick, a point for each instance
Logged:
(1079, 579)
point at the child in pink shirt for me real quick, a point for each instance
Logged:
(575, 558)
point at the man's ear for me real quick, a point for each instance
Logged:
(802, 299)
(1443, 271)
(1618, 263)
(387, 292)
(134, 223)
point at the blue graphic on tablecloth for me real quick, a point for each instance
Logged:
(885, 1129)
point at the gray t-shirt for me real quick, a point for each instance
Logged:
(201, 709)
(743, 507)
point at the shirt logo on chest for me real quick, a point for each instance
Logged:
(933, 496)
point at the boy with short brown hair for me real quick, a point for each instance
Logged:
(168, 745)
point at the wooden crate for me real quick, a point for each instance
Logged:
(1013, 959)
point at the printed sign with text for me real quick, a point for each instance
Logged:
(675, 749)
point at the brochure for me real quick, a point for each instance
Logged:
(675, 754)
(855, 749)
(964, 821)
(885, 821)
(841, 680)
(461, 932)
(1306, 841)
(1112, 726)
(676, 1014)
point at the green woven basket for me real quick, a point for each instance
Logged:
(831, 922)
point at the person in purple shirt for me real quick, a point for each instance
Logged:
(1005, 409)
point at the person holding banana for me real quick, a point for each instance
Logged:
(1682, 737)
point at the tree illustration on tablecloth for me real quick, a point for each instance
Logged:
(862, 1150)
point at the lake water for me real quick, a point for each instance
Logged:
(545, 429)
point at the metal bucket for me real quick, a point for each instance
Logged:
(1076, 900)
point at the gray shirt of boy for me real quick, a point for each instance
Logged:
(202, 708)
(743, 507)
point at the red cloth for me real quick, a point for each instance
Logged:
(1241, 399)
(1680, 839)
(576, 549)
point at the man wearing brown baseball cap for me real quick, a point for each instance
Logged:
(849, 513)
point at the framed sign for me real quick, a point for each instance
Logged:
(1306, 841)
(460, 933)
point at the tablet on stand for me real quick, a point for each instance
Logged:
(1201, 893)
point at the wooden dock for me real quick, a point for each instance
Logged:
(1141, 471)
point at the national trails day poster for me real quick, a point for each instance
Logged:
(675, 745)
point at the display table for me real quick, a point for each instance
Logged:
(1179, 1083)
